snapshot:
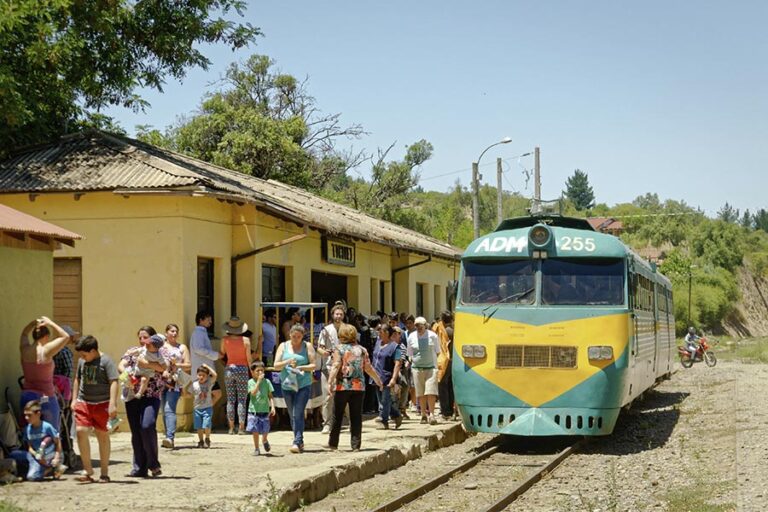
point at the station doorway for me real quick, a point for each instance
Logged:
(328, 287)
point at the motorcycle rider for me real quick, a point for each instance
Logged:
(691, 342)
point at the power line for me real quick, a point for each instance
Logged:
(468, 169)
(651, 215)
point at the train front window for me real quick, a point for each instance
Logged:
(587, 282)
(487, 282)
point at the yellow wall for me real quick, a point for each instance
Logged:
(26, 293)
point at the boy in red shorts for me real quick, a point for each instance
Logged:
(94, 404)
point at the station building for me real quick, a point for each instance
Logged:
(165, 235)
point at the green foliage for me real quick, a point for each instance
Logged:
(63, 60)
(698, 495)
(578, 191)
(263, 123)
(649, 222)
(719, 243)
(753, 351)
(760, 220)
(9, 506)
(746, 220)
(728, 214)
(390, 189)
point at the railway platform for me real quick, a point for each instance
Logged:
(228, 476)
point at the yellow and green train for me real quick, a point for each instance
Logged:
(557, 328)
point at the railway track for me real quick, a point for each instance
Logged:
(489, 481)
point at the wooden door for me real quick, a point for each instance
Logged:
(68, 292)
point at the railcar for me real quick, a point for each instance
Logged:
(557, 328)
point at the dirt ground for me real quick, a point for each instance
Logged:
(698, 442)
(225, 477)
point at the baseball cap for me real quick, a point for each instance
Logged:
(158, 340)
(70, 331)
(420, 320)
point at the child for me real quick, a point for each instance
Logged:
(43, 445)
(94, 404)
(203, 403)
(151, 354)
(260, 407)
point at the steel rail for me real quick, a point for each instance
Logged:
(534, 477)
(434, 483)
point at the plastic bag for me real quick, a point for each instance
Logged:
(290, 382)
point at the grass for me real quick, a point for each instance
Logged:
(272, 502)
(7, 506)
(696, 497)
(753, 350)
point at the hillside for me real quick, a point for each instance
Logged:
(750, 316)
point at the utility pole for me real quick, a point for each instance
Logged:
(499, 213)
(476, 199)
(537, 175)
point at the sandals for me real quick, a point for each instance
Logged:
(88, 479)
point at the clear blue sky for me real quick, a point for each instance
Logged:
(653, 96)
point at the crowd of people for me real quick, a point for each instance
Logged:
(355, 364)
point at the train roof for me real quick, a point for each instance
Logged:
(548, 219)
(574, 238)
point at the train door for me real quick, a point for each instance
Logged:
(634, 290)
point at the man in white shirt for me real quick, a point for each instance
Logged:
(201, 350)
(423, 348)
(327, 343)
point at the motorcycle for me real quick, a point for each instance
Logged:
(703, 353)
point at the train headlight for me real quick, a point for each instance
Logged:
(600, 353)
(539, 236)
(473, 351)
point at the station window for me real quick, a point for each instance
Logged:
(205, 287)
(272, 284)
(420, 299)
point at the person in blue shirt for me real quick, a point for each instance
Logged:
(43, 445)
(387, 357)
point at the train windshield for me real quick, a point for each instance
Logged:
(487, 282)
(582, 282)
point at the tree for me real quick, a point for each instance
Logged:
(264, 123)
(578, 191)
(760, 219)
(728, 214)
(746, 220)
(390, 187)
(64, 60)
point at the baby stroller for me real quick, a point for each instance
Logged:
(66, 432)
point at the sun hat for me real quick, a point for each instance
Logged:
(420, 320)
(235, 326)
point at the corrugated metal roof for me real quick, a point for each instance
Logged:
(14, 221)
(95, 161)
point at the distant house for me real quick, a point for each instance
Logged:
(606, 225)
(26, 283)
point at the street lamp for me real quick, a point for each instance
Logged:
(476, 186)
(690, 282)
